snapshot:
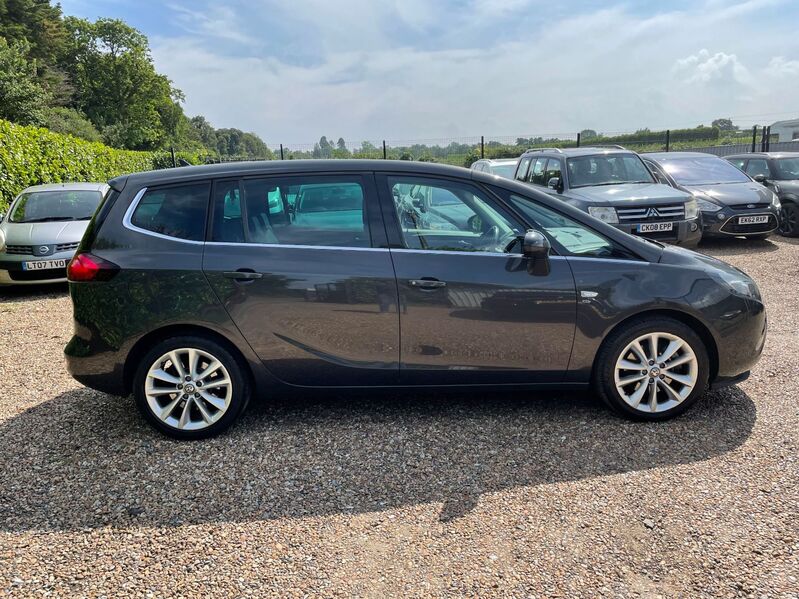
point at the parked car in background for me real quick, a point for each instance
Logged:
(614, 185)
(779, 171)
(504, 167)
(731, 202)
(528, 290)
(42, 230)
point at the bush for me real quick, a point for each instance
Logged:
(69, 121)
(32, 156)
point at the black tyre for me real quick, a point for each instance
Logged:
(627, 368)
(190, 387)
(789, 219)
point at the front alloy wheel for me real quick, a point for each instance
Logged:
(789, 220)
(190, 387)
(651, 369)
(656, 372)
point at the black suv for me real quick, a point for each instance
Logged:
(779, 171)
(197, 288)
(614, 185)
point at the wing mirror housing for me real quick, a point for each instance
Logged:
(760, 178)
(535, 244)
(554, 183)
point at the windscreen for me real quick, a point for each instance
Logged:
(607, 169)
(58, 205)
(702, 170)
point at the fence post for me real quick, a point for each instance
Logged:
(668, 138)
(754, 137)
(482, 147)
(172, 151)
(578, 140)
(385, 155)
(281, 151)
(763, 140)
(768, 138)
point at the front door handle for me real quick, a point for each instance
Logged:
(427, 283)
(242, 275)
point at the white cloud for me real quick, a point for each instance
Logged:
(413, 69)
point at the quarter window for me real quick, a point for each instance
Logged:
(449, 216)
(521, 172)
(289, 211)
(177, 211)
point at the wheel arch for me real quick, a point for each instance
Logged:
(687, 319)
(148, 340)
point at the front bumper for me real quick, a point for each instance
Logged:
(725, 223)
(742, 340)
(13, 273)
(684, 232)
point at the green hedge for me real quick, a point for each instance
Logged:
(32, 156)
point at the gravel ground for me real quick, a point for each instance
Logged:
(427, 495)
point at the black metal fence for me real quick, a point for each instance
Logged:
(463, 151)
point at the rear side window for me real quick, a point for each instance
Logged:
(177, 211)
(290, 211)
(521, 172)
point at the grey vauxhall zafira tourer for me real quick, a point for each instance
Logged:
(199, 287)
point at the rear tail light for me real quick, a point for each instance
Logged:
(88, 267)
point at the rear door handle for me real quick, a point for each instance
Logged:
(243, 275)
(427, 283)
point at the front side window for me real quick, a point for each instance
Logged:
(58, 205)
(607, 169)
(737, 162)
(290, 211)
(757, 166)
(553, 170)
(450, 216)
(574, 237)
(787, 169)
(702, 170)
(177, 211)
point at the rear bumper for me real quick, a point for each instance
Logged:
(684, 232)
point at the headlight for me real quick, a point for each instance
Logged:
(739, 283)
(604, 213)
(691, 209)
(706, 205)
(775, 201)
(2, 242)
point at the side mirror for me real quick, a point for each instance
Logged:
(554, 183)
(535, 244)
(419, 205)
(760, 178)
(2, 216)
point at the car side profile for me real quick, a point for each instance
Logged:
(731, 202)
(42, 230)
(503, 167)
(198, 288)
(613, 185)
(779, 171)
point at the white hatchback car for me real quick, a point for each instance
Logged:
(42, 230)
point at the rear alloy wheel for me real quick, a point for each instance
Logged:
(789, 220)
(190, 388)
(653, 370)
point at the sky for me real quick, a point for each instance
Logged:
(294, 70)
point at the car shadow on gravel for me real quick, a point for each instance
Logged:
(735, 246)
(87, 460)
(22, 293)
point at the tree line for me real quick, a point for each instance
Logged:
(97, 81)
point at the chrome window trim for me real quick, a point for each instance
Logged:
(129, 225)
(456, 253)
(293, 246)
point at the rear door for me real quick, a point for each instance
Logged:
(301, 266)
(471, 312)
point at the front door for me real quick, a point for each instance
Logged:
(471, 312)
(297, 263)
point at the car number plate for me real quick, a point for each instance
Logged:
(752, 220)
(44, 264)
(655, 227)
